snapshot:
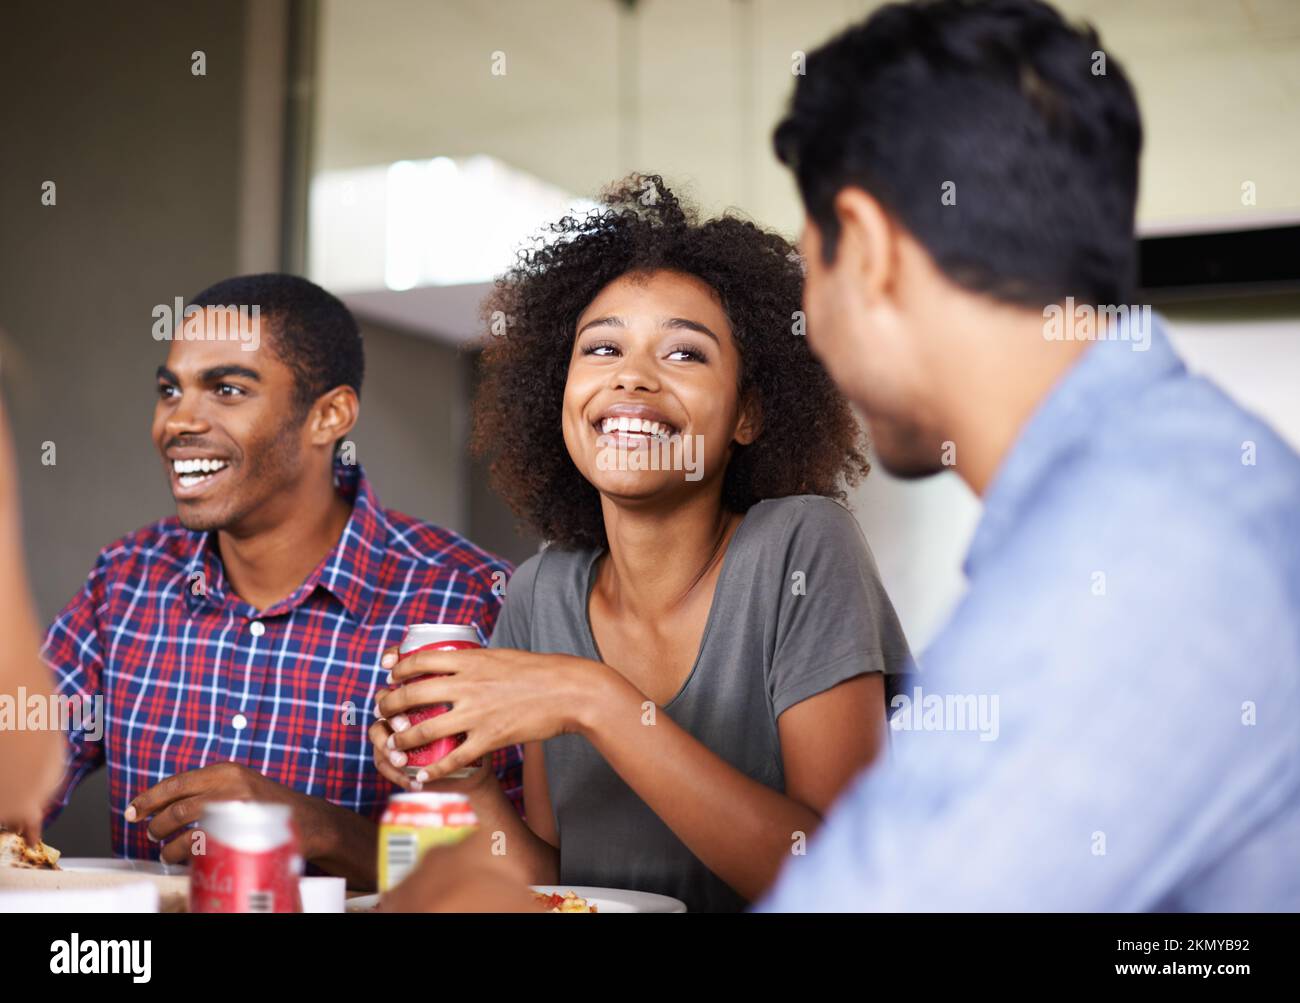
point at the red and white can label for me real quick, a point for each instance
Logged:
(227, 879)
(439, 747)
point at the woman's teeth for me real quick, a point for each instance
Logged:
(655, 429)
(192, 472)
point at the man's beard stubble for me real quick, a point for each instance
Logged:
(268, 464)
(906, 451)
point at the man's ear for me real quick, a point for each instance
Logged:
(334, 415)
(866, 242)
(751, 419)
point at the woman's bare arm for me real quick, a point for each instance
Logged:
(741, 829)
(32, 760)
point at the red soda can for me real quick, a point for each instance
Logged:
(435, 637)
(250, 860)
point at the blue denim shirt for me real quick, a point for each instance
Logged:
(1110, 720)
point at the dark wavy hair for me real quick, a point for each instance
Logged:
(1029, 125)
(809, 440)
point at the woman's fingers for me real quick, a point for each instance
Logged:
(379, 735)
(444, 725)
(430, 662)
(419, 693)
(392, 773)
(464, 755)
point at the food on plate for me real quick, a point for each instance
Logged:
(15, 851)
(570, 902)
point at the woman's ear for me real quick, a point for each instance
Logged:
(751, 419)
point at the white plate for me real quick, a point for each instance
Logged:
(121, 864)
(617, 899)
(319, 894)
(78, 874)
(129, 896)
(604, 899)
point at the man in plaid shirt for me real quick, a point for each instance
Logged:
(236, 646)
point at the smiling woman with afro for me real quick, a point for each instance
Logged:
(810, 443)
(739, 611)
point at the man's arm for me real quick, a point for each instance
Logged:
(344, 843)
(333, 838)
(1140, 734)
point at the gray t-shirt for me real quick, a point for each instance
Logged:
(798, 608)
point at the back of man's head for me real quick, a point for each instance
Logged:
(1003, 139)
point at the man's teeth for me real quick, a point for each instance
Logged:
(657, 429)
(197, 466)
(191, 472)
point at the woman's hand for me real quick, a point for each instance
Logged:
(389, 760)
(499, 697)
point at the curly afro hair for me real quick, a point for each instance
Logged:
(810, 441)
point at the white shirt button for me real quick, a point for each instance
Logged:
(257, 628)
(239, 722)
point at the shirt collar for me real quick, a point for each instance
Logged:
(1110, 371)
(348, 572)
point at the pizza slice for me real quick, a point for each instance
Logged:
(17, 852)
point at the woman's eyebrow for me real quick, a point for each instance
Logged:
(670, 323)
(681, 323)
(610, 321)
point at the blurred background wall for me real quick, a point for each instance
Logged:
(397, 150)
(416, 104)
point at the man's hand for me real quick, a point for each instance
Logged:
(333, 838)
(179, 801)
(467, 877)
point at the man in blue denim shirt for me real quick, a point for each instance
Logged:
(1109, 721)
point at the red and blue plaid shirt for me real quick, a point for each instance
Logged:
(191, 675)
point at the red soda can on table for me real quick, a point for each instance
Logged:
(250, 861)
(435, 637)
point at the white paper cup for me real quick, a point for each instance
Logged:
(323, 894)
